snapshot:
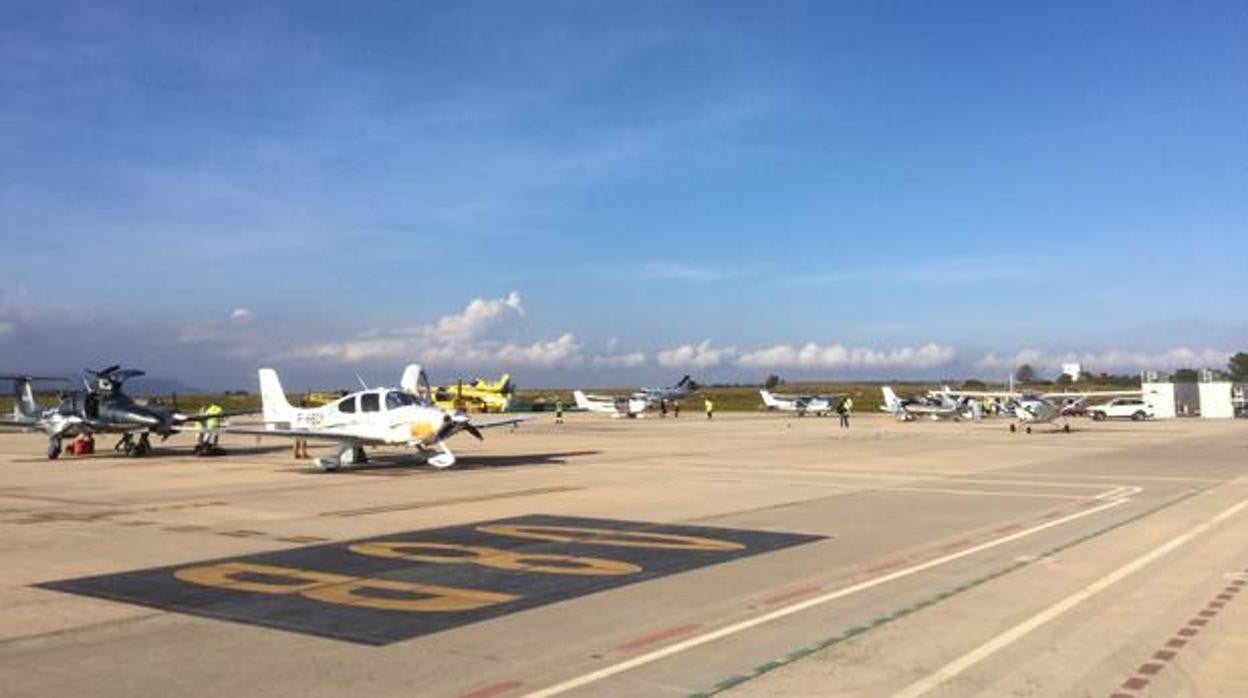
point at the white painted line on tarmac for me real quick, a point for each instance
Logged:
(726, 631)
(1017, 632)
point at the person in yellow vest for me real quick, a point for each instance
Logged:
(710, 407)
(210, 431)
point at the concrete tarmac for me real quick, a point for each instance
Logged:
(748, 555)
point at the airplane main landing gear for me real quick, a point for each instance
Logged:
(1013, 428)
(132, 448)
(54, 447)
(352, 454)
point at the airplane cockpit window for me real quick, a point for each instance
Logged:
(397, 398)
(370, 402)
(347, 405)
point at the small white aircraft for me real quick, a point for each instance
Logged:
(370, 417)
(679, 391)
(935, 407)
(1039, 408)
(631, 407)
(819, 405)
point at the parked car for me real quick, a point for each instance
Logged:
(1122, 408)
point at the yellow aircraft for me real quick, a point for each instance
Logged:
(479, 395)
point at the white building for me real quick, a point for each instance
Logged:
(1074, 370)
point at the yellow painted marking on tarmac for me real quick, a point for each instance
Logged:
(225, 575)
(495, 558)
(612, 537)
(1019, 631)
(341, 589)
(426, 598)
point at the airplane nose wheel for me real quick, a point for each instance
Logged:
(1028, 430)
(1013, 428)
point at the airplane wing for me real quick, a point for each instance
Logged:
(205, 417)
(1092, 393)
(489, 424)
(313, 434)
(6, 422)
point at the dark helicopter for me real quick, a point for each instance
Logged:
(101, 408)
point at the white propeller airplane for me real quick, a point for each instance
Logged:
(371, 417)
(631, 407)
(820, 405)
(679, 391)
(1039, 408)
(935, 407)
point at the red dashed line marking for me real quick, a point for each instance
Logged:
(1010, 528)
(789, 595)
(1190, 630)
(658, 636)
(957, 544)
(886, 565)
(1051, 515)
(494, 689)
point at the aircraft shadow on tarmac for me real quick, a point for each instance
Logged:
(402, 465)
(108, 454)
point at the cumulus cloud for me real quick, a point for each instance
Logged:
(627, 360)
(464, 339)
(836, 356)
(479, 316)
(241, 315)
(1108, 360)
(695, 356)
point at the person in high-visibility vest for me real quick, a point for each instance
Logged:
(210, 434)
(710, 407)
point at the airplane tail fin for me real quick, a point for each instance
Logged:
(769, 399)
(891, 402)
(276, 407)
(581, 401)
(24, 404)
(415, 382)
(684, 381)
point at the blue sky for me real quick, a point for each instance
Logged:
(611, 193)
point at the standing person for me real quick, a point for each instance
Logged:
(210, 433)
(558, 411)
(663, 409)
(676, 409)
(846, 407)
(710, 407)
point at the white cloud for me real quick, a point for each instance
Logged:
(627, 360)
(836, 356)
(464, 339)
(241, 315)
(694, 356)
(1109, 360)
(479, 316)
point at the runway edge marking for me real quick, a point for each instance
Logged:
(663, 653)
(1019, 631)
